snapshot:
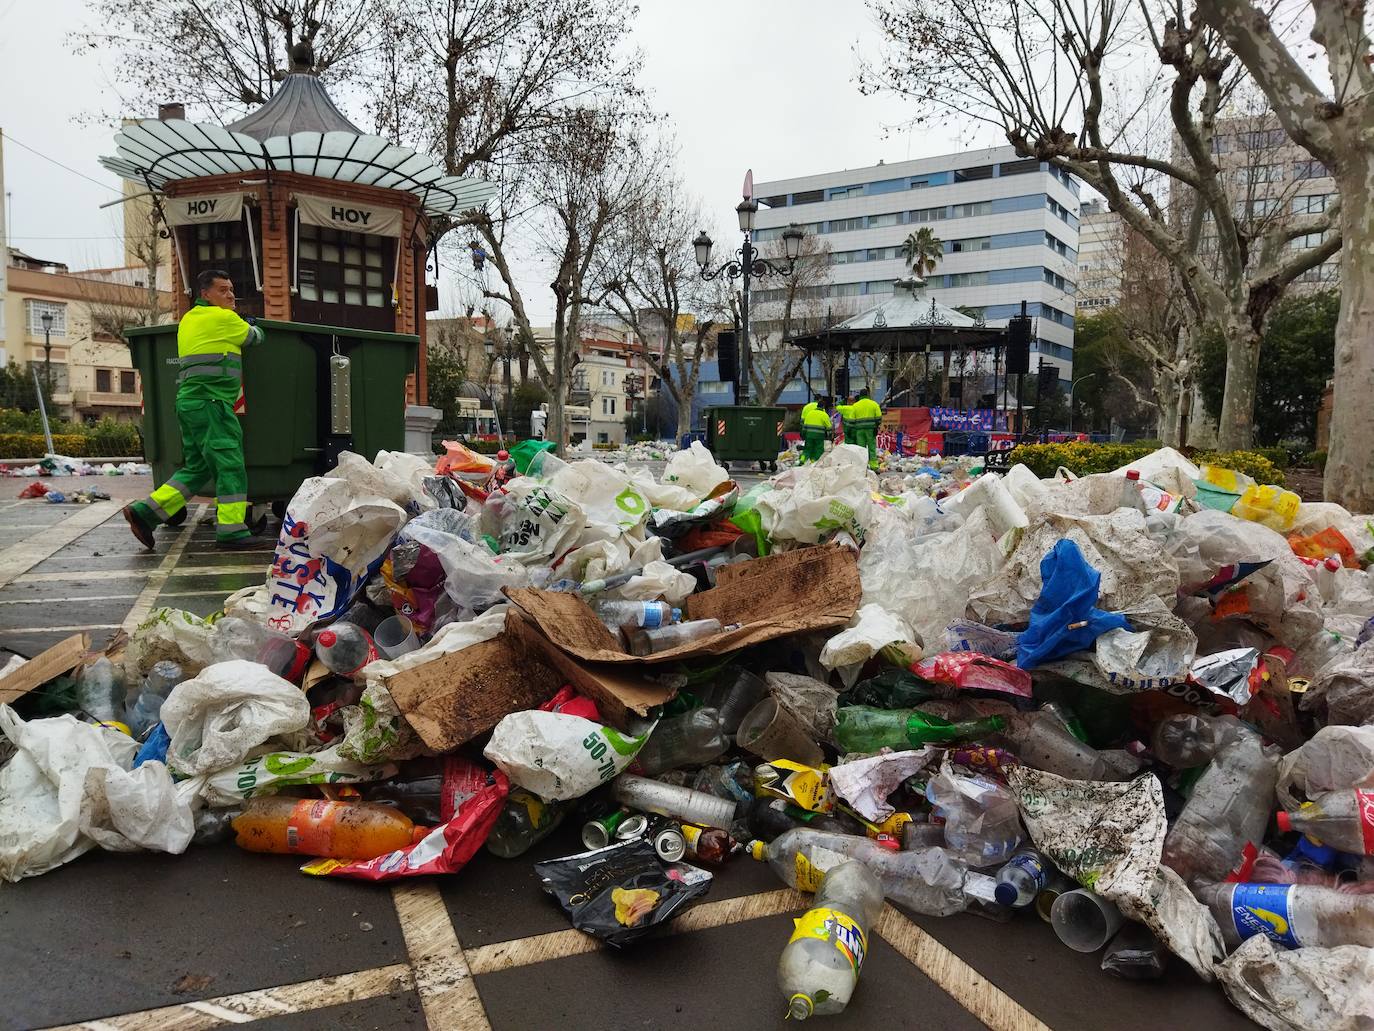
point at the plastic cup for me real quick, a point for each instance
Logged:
(1057, 885)
(1084, 920)
(395, 636)
(771, 732)
(743, 692)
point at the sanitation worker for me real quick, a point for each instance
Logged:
(815, 430)
(210, 340)
(864, 417)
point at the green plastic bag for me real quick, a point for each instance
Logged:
(745, 515)
(523, 453)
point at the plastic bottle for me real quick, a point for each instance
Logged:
(819, 967)
(1295, 915)
(421, 799)
(214, 825)
(1135, 954)
(345, 648)
(893, 689)
(649, 642)
(1326, 573)
(524, 820)
(693, 738)
(860, 728)
(318, 827)
(982, 821)
(709, 845)
(930, 882)
(682, 803)
(1041, 740)
(647, 614)
(1217, 835)
(99, 692)
(1130, 491)
(240, 639)
(767, 818)
(146, 708)
(1022, 878)
(1343, 820)
(1184, 741)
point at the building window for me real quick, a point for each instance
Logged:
(1307, 241)
(1018, 167)
(36, 311)
(981, 207)
(968, 175)
(779, 201)
(128, 382)
(808, 197)
(224, 246)
(927, 215)
(880, 221)
(1309, 170)
(841, 192)
(350, 269)
(845, 225)
(608, 406)
(1313, 203)
(975, 243)
(102, 380)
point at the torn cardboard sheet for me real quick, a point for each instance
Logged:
(61, 658)
(792, 593)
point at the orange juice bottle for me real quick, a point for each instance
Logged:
(319, 827)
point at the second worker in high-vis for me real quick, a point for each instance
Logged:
(210, 342)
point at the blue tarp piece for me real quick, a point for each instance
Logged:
(1065, 618)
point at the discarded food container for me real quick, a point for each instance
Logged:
(771, 732)
(395, 636)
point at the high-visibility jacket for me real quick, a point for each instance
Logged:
(815, 417)
(866, 408)
(210, 342)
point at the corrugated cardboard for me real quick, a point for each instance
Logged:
(61, 657)
(791, 593)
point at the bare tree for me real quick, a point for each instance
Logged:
(1334, 126)
(649, 280)
(590, 173)
(110, 312)
(790, 306)
(224, 59)
(1062, 80)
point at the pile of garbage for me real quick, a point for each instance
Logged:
(61, 465)
(1137, 705)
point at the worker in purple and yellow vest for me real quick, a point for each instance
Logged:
(210, 342)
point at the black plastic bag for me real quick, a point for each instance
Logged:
(622, 892)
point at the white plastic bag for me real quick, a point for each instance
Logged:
(871, 630)
(473, 576)
(1168, 469)
(695, 470)
(273, 771)
(219, 716)
(661, 495)
(558, 756)
(927, 580)
(1307, 989)
(537, 523)
(173, 634)
(1344, 688)
(657, 581)
(1109, 837)
(611, 504)
(832, 494)
(988, 492)
(68, 789)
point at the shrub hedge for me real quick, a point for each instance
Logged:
(1083, 459)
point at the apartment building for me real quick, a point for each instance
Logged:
(1101, 256)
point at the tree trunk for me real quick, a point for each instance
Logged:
(1237, 424)
(1350, 461)
(1169, 405)
(558, 431)
(1202, 428)
(684, 412)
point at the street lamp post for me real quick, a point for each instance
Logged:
(1075, 383)
(747, 265)
(46, 319)
(505, 353)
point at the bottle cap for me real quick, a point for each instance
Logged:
(1285, 821)
(1332, 563)
(799, 1007)
(757, 849)
(677, 615)
(888, 842)
(327, 639)
(1005, 894)
(1132, 474)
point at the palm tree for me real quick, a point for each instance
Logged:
(922, 250)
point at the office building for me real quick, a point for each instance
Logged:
(1101, 257)
(1008, 226)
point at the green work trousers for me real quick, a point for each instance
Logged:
(212, 451)
(813, 443)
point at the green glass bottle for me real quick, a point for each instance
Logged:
(861, 728)
(893, 689)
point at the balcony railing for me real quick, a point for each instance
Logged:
(106, 399)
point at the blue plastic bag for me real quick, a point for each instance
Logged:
(1065, 618)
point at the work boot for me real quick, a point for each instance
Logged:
(248, 542)
(140, 529)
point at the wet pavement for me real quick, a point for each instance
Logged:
(219, 936)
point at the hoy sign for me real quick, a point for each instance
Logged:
(214, 207)
(353, 218)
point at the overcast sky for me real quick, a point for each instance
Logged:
(774, 92)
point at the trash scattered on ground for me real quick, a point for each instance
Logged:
(60, 465)
(1139, 705)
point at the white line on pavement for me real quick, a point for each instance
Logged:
(66, 601)
(20, 558)
(134, 574)
(63, 629)
(148, 598)
(442, 979)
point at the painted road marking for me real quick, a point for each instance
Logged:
(301, 997)
(488, 959)
(442, 978)
(148, 598)
(109, 597)
(20, 558)
(63, 629)
(970, 989)
(127, 574)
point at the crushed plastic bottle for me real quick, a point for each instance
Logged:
(1217, 835)
(768, 818)
(99, 693)
(1292, 915)
(525, 820)
(214, 825)
(861, 728)
(1344, 820)
(345, 648)
(982, 821)
(649, 642)
(648, 615)
(1135, 954)
(1042, 740)
(930, 882)
(693, 738)
(1023, 877)
(145, 710)
(819, 967)
(1184, 741)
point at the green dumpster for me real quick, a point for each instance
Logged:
(744, 433)
(302, 406)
